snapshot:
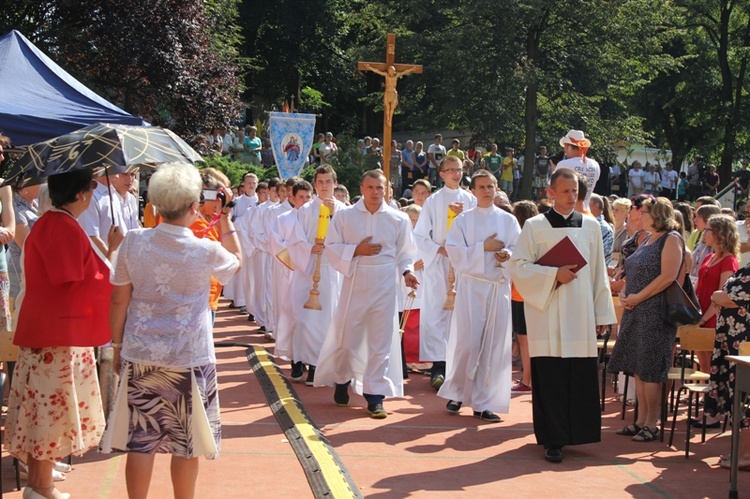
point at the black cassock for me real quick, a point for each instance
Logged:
(565, 391)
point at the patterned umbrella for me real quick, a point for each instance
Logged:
(103, 147)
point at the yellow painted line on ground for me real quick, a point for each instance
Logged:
(332, 472)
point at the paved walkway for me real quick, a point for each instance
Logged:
(418, 451)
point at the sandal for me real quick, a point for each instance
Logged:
(630, 430)
(646, 435)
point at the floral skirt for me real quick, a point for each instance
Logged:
(166, 410)
(55, 407)
(5, 320)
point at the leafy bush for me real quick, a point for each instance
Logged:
(235, 170)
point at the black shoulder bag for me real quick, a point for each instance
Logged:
(679, 304)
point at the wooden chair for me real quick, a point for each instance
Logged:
(606, 343)
(694, 383)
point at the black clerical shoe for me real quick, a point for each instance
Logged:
(453, 406)
(250, 318)
(298, 370)
(376, 411)
(243, 310)
(310, 376)
(487, 416)
(341, 395)
(437, 381)
(261, 330)
(553, 455)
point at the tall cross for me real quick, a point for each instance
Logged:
(391, 71)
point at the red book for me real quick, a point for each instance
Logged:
(563, 253)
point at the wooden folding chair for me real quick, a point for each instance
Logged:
(694, 383)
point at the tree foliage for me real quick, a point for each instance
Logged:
(667, 73)
(173, 62)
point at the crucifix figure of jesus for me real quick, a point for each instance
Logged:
(391, 71)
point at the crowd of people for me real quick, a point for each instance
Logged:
(355, 293)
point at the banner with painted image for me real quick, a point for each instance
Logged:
(292, 136)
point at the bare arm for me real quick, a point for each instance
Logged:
(8, 230)
(671, 258)
(712, 310)
(22, 231)
(118, 312)
(377, 71)
(229, 239)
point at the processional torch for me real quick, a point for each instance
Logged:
(407, 311)
(450, 299)
(313, 302)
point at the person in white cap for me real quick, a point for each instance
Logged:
(576, 146)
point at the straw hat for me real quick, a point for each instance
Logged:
(575, 138)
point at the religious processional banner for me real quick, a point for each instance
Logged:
(292, 136)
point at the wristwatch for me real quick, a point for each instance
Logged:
(406, 272)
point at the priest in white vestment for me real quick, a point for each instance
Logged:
(479, 362)
(563, 321)
(368, 243)
(311, 326)
(430, 234)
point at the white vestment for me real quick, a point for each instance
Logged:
(561, 322)
(278, 275)
(242, 283)
(363, 344)
(430, 234)
(479, 362)
(311, 326)
(243, 203)
(282, 231)
(261, 263)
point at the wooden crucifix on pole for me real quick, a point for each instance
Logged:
(391, 71)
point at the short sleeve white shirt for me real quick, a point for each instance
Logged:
(169, 320)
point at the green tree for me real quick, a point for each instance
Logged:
(158, 60)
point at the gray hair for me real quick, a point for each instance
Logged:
(597, 200)
(174, 188)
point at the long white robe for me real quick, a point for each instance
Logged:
(479, 362)
(561, 322)
(311, 326)
(235, 288)
(362, 344)
(279, 276)
(259, 303)
(282, 232)
(244, 288)
(430, 234)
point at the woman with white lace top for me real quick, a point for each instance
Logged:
(161, 323)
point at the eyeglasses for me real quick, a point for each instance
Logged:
(453, 170)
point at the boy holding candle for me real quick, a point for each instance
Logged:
(310, 326)
(430, 233)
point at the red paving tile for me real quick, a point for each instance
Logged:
(418, 451)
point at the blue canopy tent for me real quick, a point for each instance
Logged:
(39, 100)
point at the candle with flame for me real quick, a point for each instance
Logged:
(323, 220)
(451, 216)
